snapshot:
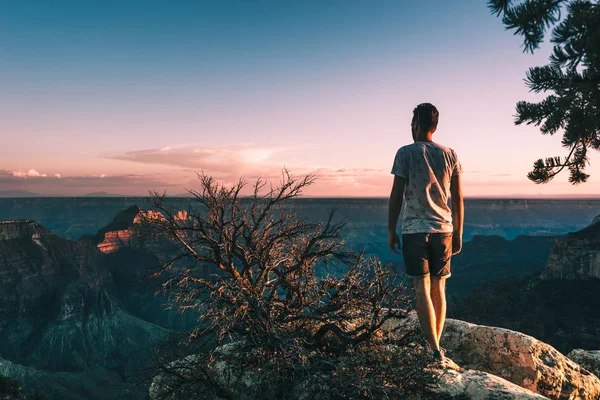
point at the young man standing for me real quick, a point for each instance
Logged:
(426, 174)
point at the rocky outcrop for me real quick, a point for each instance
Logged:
(68, 307)
(452, 382)
(123, 231)
(23, 228)
(514, 356)
(457, 383)
(60, 307)
(577, 256)
(588, 359)
(179, 381)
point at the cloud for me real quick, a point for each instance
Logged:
(225, 160)
(25, 174)
(228, 163)
(69, 185)
(231, 162)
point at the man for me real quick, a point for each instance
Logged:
(426, 174)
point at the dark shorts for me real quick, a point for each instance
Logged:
(427, 254)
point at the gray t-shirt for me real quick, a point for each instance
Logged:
(427, 168)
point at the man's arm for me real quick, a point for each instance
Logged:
(395, 205)
(458, 210)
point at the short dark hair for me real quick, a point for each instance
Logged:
(427, 116)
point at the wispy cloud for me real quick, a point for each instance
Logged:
(224, 161)
(228, 163)
(44, 183)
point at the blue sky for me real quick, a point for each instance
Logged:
(146, 93)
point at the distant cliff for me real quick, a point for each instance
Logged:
(21, 228)
(69, 307)
(559, 306)
(487, 259)
(124, 231)
(576, 256)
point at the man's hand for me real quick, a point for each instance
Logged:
(458, 210)
(394, 242)
(456, 243)
(394, 212)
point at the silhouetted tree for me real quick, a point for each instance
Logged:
(573, 75)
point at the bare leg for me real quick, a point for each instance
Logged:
(438, 298)
(425, 311)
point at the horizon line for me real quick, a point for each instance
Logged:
(474, 197)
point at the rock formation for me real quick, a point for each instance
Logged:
(21, 228)
(576, 256)
(559, 306)
(491, 364)
(588, 359)
(72, 307)
(458, 383)
(513, 356)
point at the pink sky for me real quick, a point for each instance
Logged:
(341, 116)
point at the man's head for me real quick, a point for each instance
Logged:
(425, 119)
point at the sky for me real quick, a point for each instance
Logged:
(130, 96)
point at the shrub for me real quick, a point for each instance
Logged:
(268, 291)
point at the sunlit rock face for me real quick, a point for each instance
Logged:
(513, 356)
(121, 232)
(576, 256)
(129, 229)
(470, 384)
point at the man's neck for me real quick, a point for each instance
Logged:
(427, 137)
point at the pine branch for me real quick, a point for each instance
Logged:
(572, 77)
(530, 19)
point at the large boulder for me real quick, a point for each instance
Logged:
(514, 356)
(183, 378)
(588, 359)
(180, 381)
(172, 382)
(457, 383)
(453, 382)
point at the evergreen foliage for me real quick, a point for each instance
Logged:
(572, 75)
